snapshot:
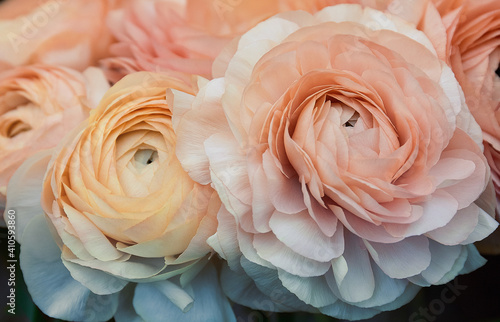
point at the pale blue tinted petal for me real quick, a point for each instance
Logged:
(209, 304)
(50, 284)
(25, 190)
(126, 311)
(270, 295)
(474, 260)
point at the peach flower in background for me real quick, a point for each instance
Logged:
(185, 36)
(347, 161)
(474, 53)
(59, 32)
(474, 36)
(121, 210)
(39, 104)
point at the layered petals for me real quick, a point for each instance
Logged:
(39, 104)
(346, 159)
(127, 221)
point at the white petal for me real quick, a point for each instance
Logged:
(438, 211)
(402, 259)
(467, 226)
(301, 234)
(357, 283)
(25, 190)
(245, 242)
(271, 249)
(133, 269)
(229, 173)
(195, 119)
(485, 226)
(94, 241)
(96, 85)
(223, 242)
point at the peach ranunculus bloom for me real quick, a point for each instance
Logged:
(39, 104)
(346, 159)
(474, 50)
(184, 37)
(58, 32)
(129, 226)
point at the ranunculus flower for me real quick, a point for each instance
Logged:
(473, 51)
(185, 36)
(39, 104)
(59, 32)
(346, 159)
(474, 36)
(129, 226)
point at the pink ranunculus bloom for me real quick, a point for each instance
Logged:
(39, 104)
(346, 159)
(184, 37)
(474, 50)
(59, 32)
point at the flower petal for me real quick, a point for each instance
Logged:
(208, 300)
(25, 190)
(50, 284)
(402, 259)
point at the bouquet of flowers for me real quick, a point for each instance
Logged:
(164, 160)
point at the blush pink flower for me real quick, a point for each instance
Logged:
(39, 104)
(58, 32)
(184, 37)
(473, 51)
(474, 36)
(346, 159)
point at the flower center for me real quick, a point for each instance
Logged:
(144, 157)
(13, 128)
(498, 71)
(352, 120)
(348, 117)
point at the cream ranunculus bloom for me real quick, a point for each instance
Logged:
(39, 104)
(347, 161)
(129, 223)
